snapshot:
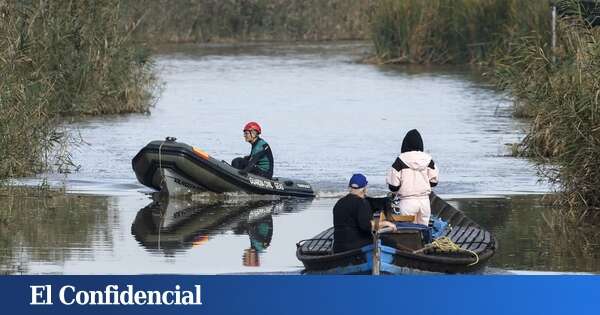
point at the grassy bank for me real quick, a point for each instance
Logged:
(163, 21)
(63, 58)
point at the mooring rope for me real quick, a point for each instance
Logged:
(162, 180)
(446, 245)
(162, 172)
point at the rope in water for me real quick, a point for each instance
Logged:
(445, 244)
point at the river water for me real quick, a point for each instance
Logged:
(325, 116)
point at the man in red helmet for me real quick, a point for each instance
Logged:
(260, 160)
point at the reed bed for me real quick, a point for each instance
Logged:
(453, 31)
(560, 91)
(63, 58)
(249, 20)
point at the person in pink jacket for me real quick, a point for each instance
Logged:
(411, 177)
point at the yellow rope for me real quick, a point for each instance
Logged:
(445, 244)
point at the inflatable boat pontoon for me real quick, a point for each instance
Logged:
(177, 168)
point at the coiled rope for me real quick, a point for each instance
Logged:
(446, 245)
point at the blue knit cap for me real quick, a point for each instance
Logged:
(358, 181)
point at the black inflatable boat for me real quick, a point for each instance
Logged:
(177, 168)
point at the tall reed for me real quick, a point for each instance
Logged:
(452, 31)
(63, 58)
(561, 92)
(247, 20)
(560, 97)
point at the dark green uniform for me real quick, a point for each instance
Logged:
(262, 151)
(259, 162)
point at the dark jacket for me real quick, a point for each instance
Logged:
(351, 223)
(261, 157)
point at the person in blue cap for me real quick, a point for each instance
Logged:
(352, 217)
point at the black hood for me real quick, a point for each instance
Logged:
(412, 142)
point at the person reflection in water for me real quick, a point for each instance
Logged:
(411, 177)
(260, 160)
(260, 233)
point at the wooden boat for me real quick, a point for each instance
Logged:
(400, 251)
(177, 168)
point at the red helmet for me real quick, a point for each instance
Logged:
(252, 126)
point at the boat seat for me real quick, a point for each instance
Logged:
(397, 217)
(322, 244)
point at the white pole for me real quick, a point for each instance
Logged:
(553, 31)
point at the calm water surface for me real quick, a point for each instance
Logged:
(325, 116)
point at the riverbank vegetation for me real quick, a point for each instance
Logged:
(63, 58)
(163, 21)
(558, 90)
(453, 31)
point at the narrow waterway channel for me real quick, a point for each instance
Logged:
(326, 116)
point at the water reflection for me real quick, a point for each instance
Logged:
(532, 235)
(43, 228)
(260, 232)
(78, 234)
(172, 226)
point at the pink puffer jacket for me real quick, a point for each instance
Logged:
(412, 175)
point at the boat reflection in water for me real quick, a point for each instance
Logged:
(169, 226)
